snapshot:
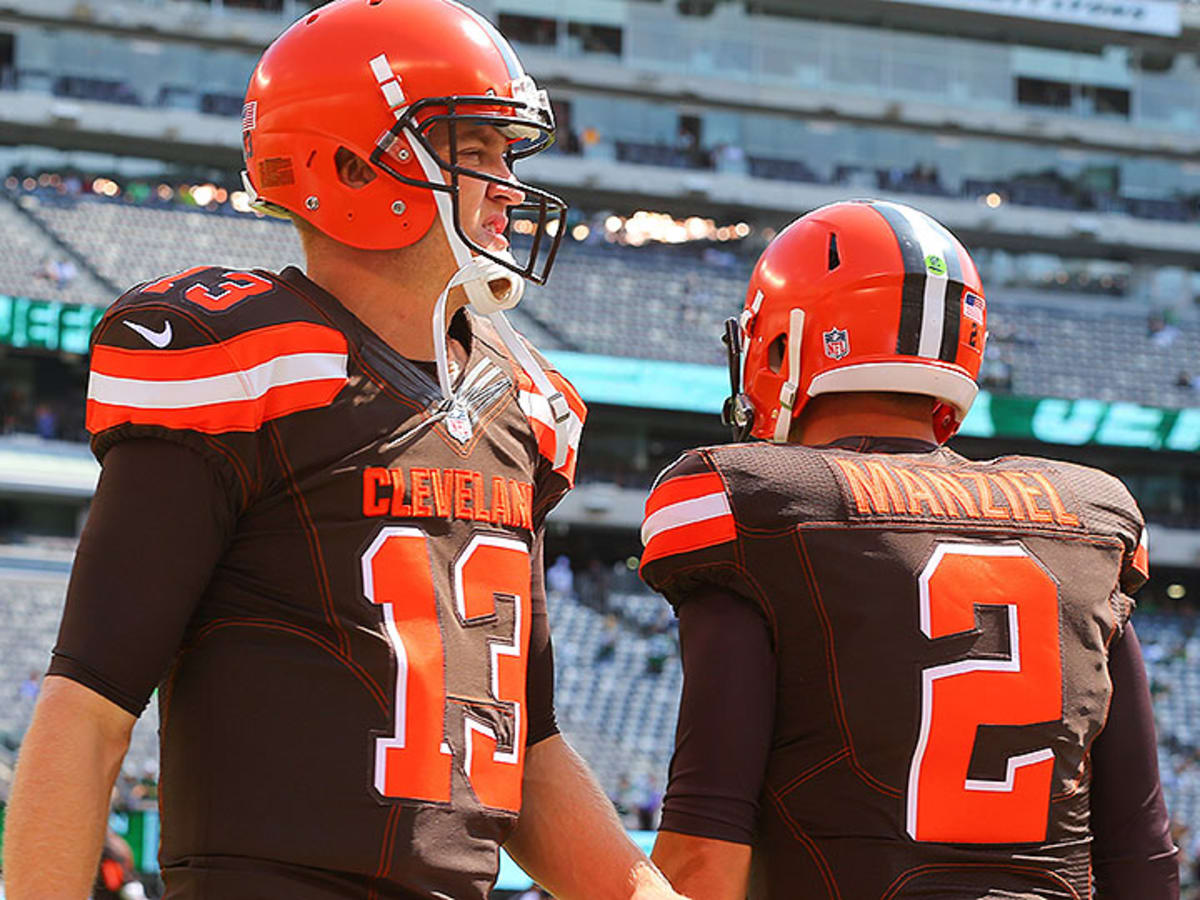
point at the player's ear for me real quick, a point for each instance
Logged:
(352, 170)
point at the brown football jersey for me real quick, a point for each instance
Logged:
(940, 629)
(346, 714)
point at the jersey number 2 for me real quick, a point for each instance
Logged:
(943, 803)
(415, 762)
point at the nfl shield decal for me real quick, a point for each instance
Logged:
(458, 422)
(837, 343)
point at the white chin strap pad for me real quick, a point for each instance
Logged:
(787, 393)
(490, 287)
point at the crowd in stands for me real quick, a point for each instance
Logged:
(723, 246)
(84, 238)
(51, 417)
(149, 193)
(1045, 189)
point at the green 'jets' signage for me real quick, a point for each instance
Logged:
(692, 387)
(1056, 421)
(47, 324)
(702, 388)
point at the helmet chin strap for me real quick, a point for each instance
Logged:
(490, 288)
(787, 393)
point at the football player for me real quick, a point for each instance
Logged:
(318, 529)
(906, 674)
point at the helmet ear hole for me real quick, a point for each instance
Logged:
(353, 171)
(776, 351)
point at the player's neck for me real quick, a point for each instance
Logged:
(392, 292)
(832, 417)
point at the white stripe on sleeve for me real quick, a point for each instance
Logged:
(685, 512)
(249, 384)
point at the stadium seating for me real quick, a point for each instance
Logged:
(652, 302)
(127, 244)
(31, 604)
(27, 257)
(620, 716)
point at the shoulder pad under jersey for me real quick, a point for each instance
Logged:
(540, 412)
(211, 350)
(1109, 509)
(689, 532)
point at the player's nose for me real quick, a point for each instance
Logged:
(509, 193)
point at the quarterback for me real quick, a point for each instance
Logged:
(906, 674)
(318, 529)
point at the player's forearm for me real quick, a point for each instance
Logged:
(55, 823)
(569, 838)
(1134, 877)
(703, 868)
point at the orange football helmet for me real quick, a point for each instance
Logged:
(864, 295)
(374, 77)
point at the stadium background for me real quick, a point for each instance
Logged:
(1060, 140)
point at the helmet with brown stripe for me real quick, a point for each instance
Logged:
(862, 295)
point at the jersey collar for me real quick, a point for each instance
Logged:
(866, 443)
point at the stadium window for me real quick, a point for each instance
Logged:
(533, 30)
(1106, 101)
(8, 71)
(1157, 61)
(221, 104)
(176, 97)
(1043, 92)
(266, 5)
(590, 38)
(567, 138)
(690, 131)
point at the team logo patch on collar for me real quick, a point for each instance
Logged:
(837, 343)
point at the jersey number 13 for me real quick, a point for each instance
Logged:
(414, 762)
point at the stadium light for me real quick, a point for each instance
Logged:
(106, 187)
(240, 201)
(203, 194)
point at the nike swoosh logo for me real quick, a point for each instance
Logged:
(159, 339)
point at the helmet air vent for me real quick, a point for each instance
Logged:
(835, 258)
(775, 353)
